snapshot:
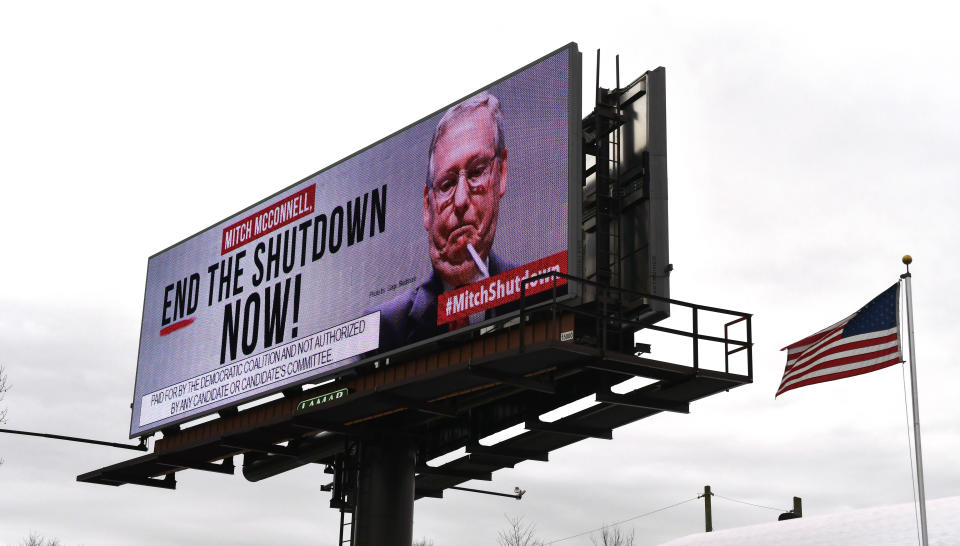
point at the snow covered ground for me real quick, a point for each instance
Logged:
(878, 526)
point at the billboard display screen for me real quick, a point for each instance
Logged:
(418, 236)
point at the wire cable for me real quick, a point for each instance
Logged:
(619, 522)
(913, 477)
(751, 504)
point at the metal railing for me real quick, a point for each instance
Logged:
(607, 318)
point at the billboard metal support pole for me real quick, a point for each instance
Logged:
(142, 446)
(384, 513)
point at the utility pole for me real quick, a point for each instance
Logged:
(707, 511)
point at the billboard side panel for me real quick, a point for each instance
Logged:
(659, 262)
(646, 260)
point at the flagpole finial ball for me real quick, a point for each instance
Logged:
(907, 259)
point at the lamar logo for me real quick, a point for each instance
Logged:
(322, 399)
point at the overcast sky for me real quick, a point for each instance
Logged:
(810, 146)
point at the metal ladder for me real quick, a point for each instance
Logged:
(345, 469)
(346, 526)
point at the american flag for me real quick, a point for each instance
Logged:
(865, 341)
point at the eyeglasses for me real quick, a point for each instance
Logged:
(477, 175)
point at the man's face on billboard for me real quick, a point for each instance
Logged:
(461, 207)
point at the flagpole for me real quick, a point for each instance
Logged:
(907, 260)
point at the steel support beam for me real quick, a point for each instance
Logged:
(442, 410)
(430, 493)
(226, 467)
(167, 482)
(572, 429)
(640, 400)
(306, 422)
(653, 369)
(504, 451)
(454, 473)
(260, 447)
(527, 383)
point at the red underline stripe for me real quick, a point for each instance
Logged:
(176, 326)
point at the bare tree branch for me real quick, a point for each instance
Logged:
(38, 540)
(4, 387)
(613, 536)
(518, 533)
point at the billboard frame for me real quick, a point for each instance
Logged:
(574, 167)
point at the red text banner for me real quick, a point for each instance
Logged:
(269, 218)
(500, 289)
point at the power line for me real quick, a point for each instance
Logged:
(752, 504)
(619, 522)
(615, 524)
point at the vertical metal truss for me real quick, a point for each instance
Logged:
(607, 119)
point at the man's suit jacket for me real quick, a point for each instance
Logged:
(412, 316)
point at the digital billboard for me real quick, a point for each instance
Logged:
(421, 235)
